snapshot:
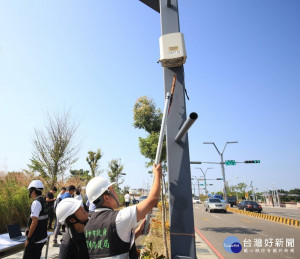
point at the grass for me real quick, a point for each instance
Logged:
(154, 243)
(14, 201)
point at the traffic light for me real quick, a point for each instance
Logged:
(230, 162)
(252, 161)
(219, 179)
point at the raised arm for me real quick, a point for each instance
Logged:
(144, 207)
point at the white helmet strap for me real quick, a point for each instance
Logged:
(113, 197)
(77, 220)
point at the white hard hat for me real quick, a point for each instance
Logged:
(36, 184)
(67, 207)
(96, 187)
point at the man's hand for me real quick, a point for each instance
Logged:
(157, 170)
(26, 243)
(139, 230)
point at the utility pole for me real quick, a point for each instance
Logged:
(182, 232)
(204, 174)
(222, 164)
(253, 193)
(198, 180)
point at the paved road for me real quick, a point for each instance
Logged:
(283, 212)
(216, 227)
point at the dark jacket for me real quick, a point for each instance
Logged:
(73, 246)
(102, 237)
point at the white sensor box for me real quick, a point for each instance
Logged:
(172, 50)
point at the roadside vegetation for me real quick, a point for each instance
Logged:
(154, 247)
(14, 201)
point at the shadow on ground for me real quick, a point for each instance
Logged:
(249, 231)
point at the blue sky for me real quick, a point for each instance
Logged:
(97, 57)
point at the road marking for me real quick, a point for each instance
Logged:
(264, 234)
(246, 220)
(243, 227)
(215, 216)
(204, 218)
(210, 245)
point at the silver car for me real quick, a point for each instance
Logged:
(213, 204)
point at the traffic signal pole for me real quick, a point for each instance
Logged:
(222, 164)
(204, 174)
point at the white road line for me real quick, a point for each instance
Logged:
(215, 216)
(243, 227)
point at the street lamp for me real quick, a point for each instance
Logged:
(222, 164)
(204, 174)
(198, 179)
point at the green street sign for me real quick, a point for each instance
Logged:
(201, 184)
(230, 162)
(252, 161)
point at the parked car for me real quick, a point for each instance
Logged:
(196, 200)
(213, 204)
(142, 198)
(232, 200)
(249, 206)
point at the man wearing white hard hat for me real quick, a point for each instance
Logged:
(37, 224)
(109, 233)
(73, 245)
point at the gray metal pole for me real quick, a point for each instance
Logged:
(182, 232)
(223, 174)
(205, 185)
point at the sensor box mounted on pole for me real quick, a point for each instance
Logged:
(172, 50)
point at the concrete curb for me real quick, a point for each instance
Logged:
(277, 219)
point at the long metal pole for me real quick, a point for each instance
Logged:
(159, 147)
(224, 181)
(205, 184)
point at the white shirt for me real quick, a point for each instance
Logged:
(78, 197)
(127, 197)
(36, 208)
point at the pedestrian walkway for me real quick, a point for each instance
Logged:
(203, 251)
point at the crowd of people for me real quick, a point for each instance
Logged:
(92, 228)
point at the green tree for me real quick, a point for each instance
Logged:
(55, 149)
(296, 192)
(148, 117)
(241, 187)
(93, 159)
(82, 174)
(115, 171)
